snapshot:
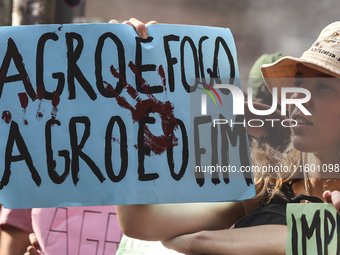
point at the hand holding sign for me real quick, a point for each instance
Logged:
(334, 198)
(138, 25)
(34, 248)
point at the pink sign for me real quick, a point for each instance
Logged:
(77, 230)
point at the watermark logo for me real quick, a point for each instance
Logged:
(204, 97)
(218, 133)
(238, 108)
(239, 99)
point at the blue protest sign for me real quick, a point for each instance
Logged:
(93, 115)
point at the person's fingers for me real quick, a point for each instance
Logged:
(139, 27)
(31, 251)
(335, 196)
(152, 22)
(327, 196)
(34, 241)
(113, 21)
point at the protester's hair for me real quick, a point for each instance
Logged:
(264, 154)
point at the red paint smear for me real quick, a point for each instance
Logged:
(135, 70)
(23, 100)
(40, 92)
(109, 88)
(59, 28)
(55, 103)
(130, 90)
(115, 73)
(39, 115)
(54, 114)
(55, 99)
(25, 122)
(162, 75)
(121, 100)
(114, 139)
(6, 116)
(157, 144)
(145, 85)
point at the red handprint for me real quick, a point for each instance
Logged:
(157, 144)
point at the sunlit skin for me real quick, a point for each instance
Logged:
(320, 132)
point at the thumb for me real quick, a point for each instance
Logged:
(34, 241)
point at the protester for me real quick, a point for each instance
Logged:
(204, 228)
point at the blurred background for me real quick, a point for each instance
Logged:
(258, 26)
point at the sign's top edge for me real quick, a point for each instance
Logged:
(109, 24)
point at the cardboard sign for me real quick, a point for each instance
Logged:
(77, 230)
(313, 229)
(93, 115)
